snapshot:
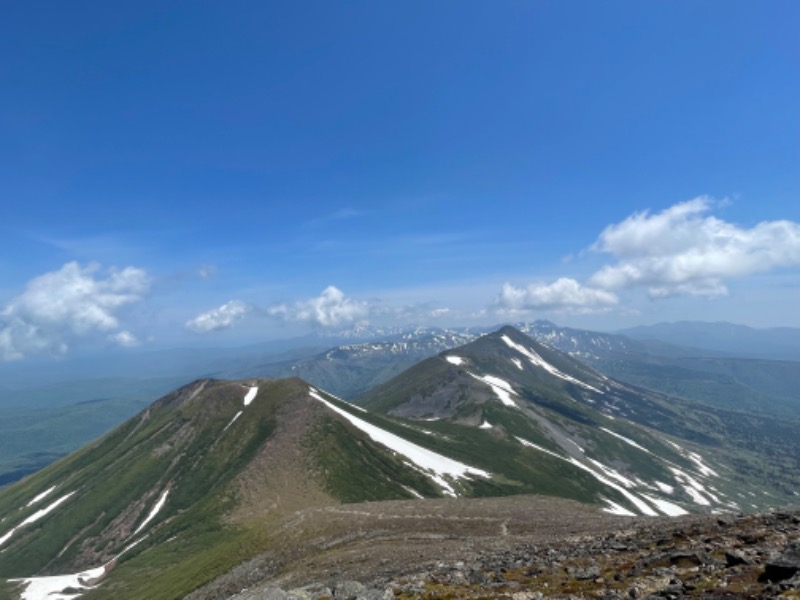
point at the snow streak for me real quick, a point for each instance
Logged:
(540, 362)
(35, 517)
(251, 394)
(153, 512)
(432, 464)
(41, 496)
(500, 387)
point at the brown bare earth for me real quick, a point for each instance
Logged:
(515, 547)
(279, 480)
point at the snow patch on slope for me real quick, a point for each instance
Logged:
(538, 361)
(36, 516)
(66, 587)
(626, 440)
(56, 587)
(615, 509)
(454, 360)
(158, 506)
(500, 387)
(250, 396)
(664, 487)
(693, 487)
(432, 464)
(41, 496)
(236, 416)
(636, 501)
(668, 508)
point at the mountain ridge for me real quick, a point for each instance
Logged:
(211, 475)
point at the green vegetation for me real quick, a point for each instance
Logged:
(189, 444)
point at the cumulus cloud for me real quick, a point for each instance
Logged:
(685, 250)
(329, 309)
(564, 294)
(222, 317)
(59, 307)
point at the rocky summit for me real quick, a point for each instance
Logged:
(732, 556)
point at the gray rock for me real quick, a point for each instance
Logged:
(786, 566)
(349, 590)
(736, 557)
(591, 572)
(273, 593)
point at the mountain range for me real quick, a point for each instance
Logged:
(46, 413)
(220, 473)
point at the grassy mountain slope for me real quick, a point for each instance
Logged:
(211, 475)
(212, 481)
(583, 416)
(33, 438)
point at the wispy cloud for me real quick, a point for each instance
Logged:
(343, 214)
(684, 250)
(58, 308)
(207, 271)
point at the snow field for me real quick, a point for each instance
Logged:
(62, 587)
(56, 586)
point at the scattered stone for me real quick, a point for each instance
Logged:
(752, 556)
(736, 557)
(786, 566)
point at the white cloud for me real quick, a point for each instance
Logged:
(329, 309)
(62, 306)
(219, 318)
(124, 338)
(564, 294)
(684, 250)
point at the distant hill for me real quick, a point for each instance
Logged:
(779, 343)
(760, 386)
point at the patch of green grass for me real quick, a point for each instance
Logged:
(356, 469)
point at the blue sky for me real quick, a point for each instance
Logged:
(198, 172)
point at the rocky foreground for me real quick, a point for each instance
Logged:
(709, 557)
